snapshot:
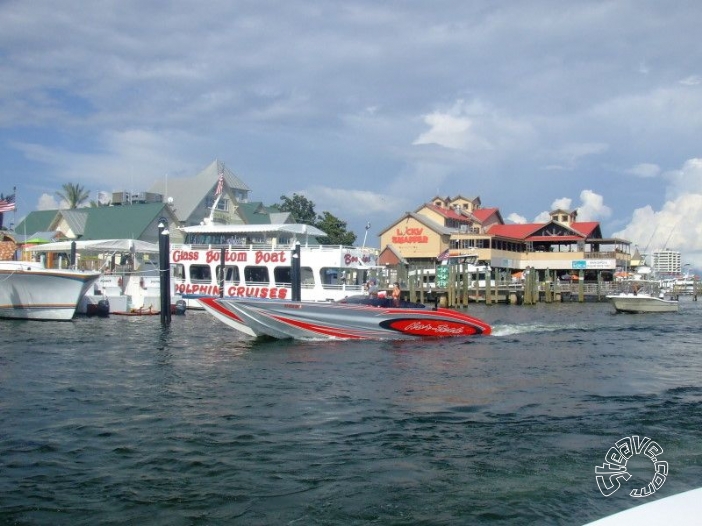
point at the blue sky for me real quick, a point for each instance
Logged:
(367, 108)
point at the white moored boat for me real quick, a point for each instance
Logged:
(129, 278)
(258, 261)
(30, 291)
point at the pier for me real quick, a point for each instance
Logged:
(448, 288)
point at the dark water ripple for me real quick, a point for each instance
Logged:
(119, 421)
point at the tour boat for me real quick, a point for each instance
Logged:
(30, 291)
(258, 260)
(307, 320)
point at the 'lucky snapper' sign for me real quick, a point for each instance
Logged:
(409, 235)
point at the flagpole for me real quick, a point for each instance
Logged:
(14, 210)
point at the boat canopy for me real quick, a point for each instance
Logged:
(283, 228)
(99, 246)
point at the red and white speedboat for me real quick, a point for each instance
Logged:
(308, 320)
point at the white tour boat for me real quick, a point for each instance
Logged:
(257, 263)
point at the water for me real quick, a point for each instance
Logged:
(116, 421)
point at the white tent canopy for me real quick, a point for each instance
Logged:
(99, 246)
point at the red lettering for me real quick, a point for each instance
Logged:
(270, 257)
(184, 255)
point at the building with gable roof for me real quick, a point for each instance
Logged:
(137, 221)
(189, 201)
(457, 226)
(192, 198)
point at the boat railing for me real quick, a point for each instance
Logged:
(265, 246)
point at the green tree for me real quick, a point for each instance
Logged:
(74, 194)
(302, 211)
(301, 208)
(336, 231)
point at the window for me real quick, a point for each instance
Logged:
(178, 271)
(256, 274)
(282, 275)
(231, 273)
(200, 274)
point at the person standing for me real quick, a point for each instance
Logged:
(396, 292)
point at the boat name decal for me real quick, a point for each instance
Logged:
(350, 259)
(430, 327)
(210, 256)
(232, 291)
(441, 328)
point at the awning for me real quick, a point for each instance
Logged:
(99, 246)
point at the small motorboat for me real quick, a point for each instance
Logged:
(637, 302)
(346, 320)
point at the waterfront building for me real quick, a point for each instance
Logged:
(562, 247)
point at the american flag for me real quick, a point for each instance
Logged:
(7, 204)
(443, 256)
(220, 184)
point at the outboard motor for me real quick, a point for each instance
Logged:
(100, 309)
(179, 307)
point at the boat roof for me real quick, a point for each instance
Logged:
(98, 245)
(284, 228)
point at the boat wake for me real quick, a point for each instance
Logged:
(511, 330)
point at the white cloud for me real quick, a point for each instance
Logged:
(516, 218)
(568, 156)
(563, 203)
(678, 224)
(591, 208)
(687, 180)
(47, 202)
(475, 127)
(692, 80)
(644, 170)
(453, 129)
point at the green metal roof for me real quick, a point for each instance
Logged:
(254, 213)
(113, 222)
(37, 221)
(104, 222)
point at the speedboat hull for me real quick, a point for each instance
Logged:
(638, 303)
(318, 320)
(29, 291)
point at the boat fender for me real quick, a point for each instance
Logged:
(119, 282)
(141, 283)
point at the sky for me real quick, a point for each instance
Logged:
(367, 108)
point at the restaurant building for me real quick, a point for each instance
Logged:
(447, 227)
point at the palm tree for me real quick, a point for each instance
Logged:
(74, 194)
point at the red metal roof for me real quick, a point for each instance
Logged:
(447, 212)
(483, 214)
(525, 231)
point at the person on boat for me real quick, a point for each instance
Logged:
(373, 288)
(396, 292)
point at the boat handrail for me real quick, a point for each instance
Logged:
(263, 246)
